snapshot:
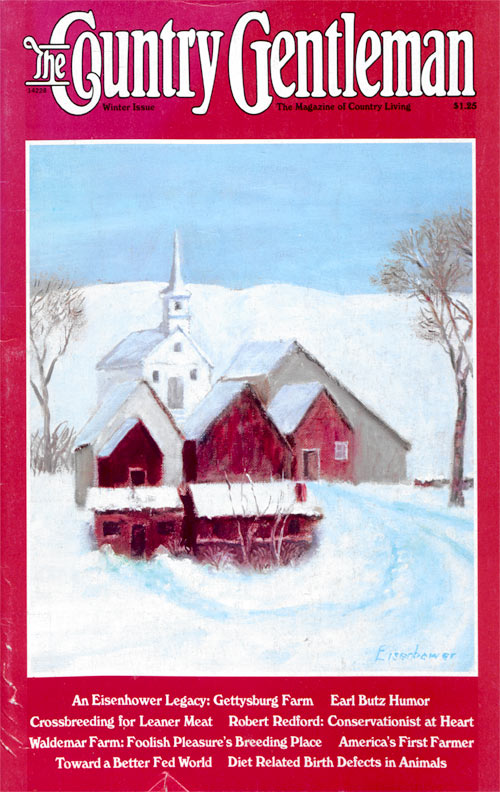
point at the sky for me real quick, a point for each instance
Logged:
(322, 215)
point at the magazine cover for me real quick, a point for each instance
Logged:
(249, 396)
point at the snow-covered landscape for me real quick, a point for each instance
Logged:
(392, 572)
(389, 587)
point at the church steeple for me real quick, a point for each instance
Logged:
(176, 297)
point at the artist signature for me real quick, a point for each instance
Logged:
(385, 654)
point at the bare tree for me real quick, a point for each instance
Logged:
(56, 315)
(279, 513)
(433, 264)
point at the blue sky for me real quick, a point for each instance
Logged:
(313, 214)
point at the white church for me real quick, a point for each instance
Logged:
(167, 358)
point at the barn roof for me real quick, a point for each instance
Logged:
(216, 400)
(291, 404)
(257, 357)
(133, 498)
(243, 499)
(114, 400)
(118, 436)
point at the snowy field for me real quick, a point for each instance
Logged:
(393, 572)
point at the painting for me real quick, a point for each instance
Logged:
(244, 421)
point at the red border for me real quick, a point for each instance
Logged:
(34, 120)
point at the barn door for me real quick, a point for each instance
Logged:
(311, 464)
(138, 542)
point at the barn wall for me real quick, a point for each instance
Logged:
(226, 528)
(162, 528)
(220, 535)
(136, 450)
(84, 473)
(165, 527)
(242, 441)
(320, 428)
(380, 455)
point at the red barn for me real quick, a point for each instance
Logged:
(136, 522)
(230, 434)
(132, 440)
(379, 453)
(130, 458)
(319, 433)
(252, 523)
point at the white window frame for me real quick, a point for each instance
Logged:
(341, 450)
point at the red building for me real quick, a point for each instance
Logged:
(131, 440)
(379, 453)
(255, 522)
(130, 458)
(136, 521)
(248, 522)
(231, 435)
(317, 430)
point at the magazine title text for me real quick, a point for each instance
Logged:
(82, 66)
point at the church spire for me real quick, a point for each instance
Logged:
(176, 284)
(175, 296)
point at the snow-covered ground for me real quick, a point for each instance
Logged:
(393, 572)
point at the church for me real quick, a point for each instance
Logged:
(167, 357)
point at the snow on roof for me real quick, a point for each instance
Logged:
(291, 404)
(137, 346)
(256, 358)
(191, 340)
(132, 350)
(114, 400)
(205, 413)
(133, 498)
(251, 499)
(118, 436)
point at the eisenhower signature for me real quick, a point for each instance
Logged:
(387, 655)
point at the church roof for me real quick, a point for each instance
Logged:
(132, 350)
(291, 404)
(256, 358)
(193, 342)
(135, 348)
